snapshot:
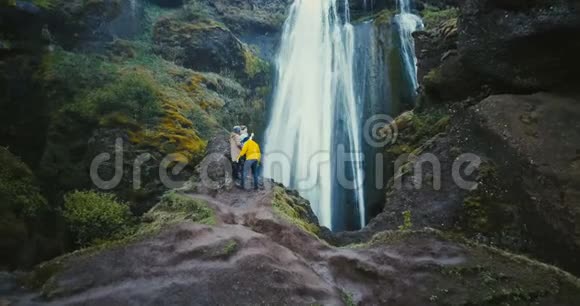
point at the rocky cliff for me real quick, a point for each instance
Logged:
(496, 83)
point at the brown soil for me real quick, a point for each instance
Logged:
(253, 256)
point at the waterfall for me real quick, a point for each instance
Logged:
(315, 87)
(133, 7)
(368, 4)
(408, 23)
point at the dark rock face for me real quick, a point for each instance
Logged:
(200, 46)
(251, 16)
(168, 3)
(434, 46)
(543, 132)
(527, 179)
(521, 44)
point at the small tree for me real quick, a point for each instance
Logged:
(93, 216)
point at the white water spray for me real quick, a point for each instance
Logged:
(133, 7)
(408, 23)
(315, 80)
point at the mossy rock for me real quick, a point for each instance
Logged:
(174, 208)
(416, 128)
(433, 17)
(294, 209)
(484, 275)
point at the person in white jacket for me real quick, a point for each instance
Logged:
(235, 149)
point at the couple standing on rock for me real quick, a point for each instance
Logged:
(246, 155)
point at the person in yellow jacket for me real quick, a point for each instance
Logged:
(251, 150)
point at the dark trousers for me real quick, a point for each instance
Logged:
(250, 164)
(237, 170)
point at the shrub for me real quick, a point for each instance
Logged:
(94, 217)
(19, 194)
(132, 94)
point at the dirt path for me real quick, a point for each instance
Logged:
(252, 256)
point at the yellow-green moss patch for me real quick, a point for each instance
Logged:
(287, 208)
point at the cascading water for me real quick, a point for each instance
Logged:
(133, 7)
(315, 109)
(408, 23)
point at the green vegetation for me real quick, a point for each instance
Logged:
(407, 223)
(22, 209)
(174, 208)
(433, 17)
(93, 217)
(229, 248)
(291, 210)
(133, 94)
(347, 298)
(253, 64)
(434, 76)
(416, 128)
(20, 196)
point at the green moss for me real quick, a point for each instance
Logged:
(417, 128)
(175, 207)
(476, 214)
(434, 76)
(433, 17)
(287, 208)
(347, 298)
(253, 64)
(487, 211)
(407, 222)
(230, 248)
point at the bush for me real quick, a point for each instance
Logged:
(134, 95)
(93, 217)
(19, 194)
